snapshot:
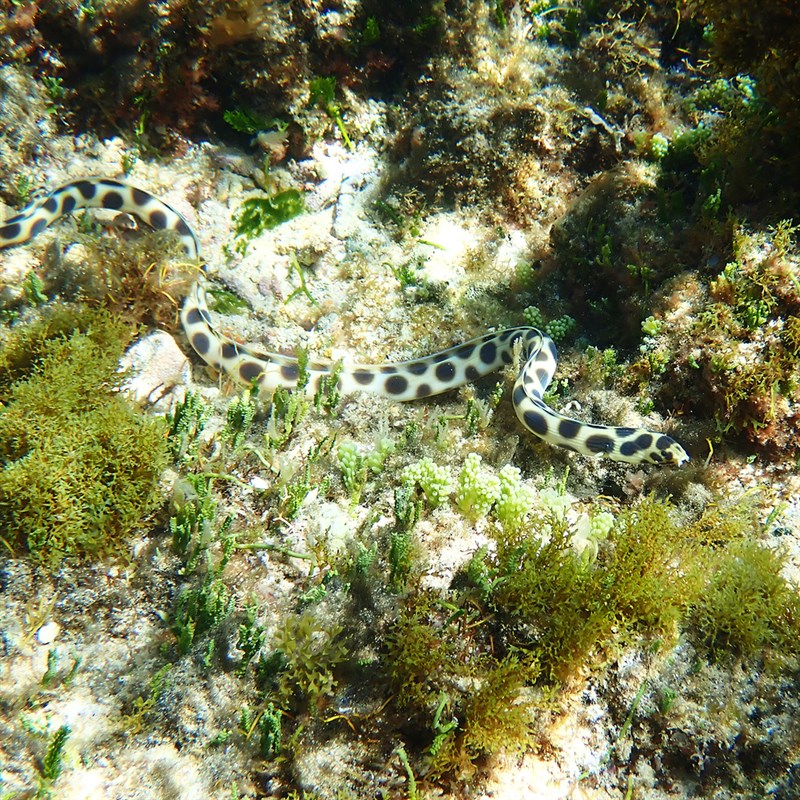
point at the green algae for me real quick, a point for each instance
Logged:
(533, 618)
(79, 464)
(259, 214)
(748, 605)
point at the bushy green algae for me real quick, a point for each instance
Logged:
(747, 605)
(534, 616)
(568, 612)
(78, 464)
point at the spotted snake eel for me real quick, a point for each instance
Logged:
(405, 380)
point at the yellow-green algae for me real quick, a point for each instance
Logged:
(78, 464)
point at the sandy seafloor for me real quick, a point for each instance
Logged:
(113, 615)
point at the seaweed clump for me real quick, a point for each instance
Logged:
(747, 605)
(483, 668)
(78, 464)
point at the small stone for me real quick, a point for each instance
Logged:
(258, 483)
(48, 632)
(156, 365)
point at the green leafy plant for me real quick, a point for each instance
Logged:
(269, 729)
(200, 610)
(353, 468)
(748, 604)
(302, 289)
(371, 33)
(432, 478)
(400, 558)
(224, 302)
(239, 417)
(186, 423)
(248, 122)
(34, 289)
(356, 467)
(54, 86)
(477, 488)
(295, 492)
(323, 93)
(192, 513)
(259, 214)
(53, 761)
(309, 650)
(251, 637)
(144, 704)
(514, 499)
(22, 189)
(407, 507)
(533, 610)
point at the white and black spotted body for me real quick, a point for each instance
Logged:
(406, 380)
